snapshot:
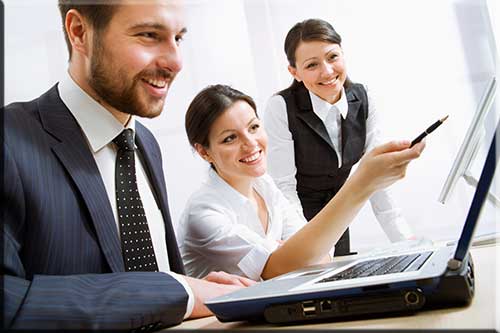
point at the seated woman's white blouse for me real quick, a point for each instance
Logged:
(220, 230)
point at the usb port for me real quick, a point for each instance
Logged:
(308, 308)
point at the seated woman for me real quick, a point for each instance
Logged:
(239, 221)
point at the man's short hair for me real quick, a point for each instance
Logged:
(97, 12)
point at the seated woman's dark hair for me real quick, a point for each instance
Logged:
(208, 105)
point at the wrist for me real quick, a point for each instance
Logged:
(360, 186)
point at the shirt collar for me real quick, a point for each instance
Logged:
(322, 107)
(235, 198)
(99, 126)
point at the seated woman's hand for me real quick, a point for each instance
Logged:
(386, 164)
(226, 278)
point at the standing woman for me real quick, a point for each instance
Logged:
(321, 126)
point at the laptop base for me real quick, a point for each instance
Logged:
(346, 306)
(453, 288)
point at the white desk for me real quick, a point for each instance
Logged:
(482, 313)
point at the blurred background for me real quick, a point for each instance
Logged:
(422, 60)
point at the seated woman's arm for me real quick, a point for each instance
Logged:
(213, 240)
(378, 169)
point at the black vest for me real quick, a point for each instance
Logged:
(318, 176)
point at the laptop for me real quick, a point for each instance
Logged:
(409, 281)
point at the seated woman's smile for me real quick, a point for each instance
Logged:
(238, 145)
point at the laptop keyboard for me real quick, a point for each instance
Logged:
(382, 266)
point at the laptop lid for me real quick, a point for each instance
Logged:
(482, 189)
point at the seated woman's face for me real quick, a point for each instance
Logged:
(320, 66)
(238, 143)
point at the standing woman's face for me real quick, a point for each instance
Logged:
(321, 67)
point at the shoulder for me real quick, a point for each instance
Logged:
(204, 213)
(17, 111)
(147, 138)
(294, 89)
(276, 99)
(357, 88)
(283, 103)
(275, 108)
(275, 117)
(38, 116)
(266, 183)
(145, 133)
(285, 92)
(358, 92)
(361, 90)
(23, 120)
(207, 199)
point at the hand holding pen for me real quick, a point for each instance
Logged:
(428, 131)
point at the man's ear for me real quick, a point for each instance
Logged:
(202, 151)
(293, 71)
(78, 31)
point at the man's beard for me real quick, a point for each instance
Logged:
(115, 88)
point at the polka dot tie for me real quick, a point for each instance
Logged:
(137, 247)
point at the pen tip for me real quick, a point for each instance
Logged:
(444, 118)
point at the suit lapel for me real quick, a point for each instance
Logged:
(154, 169)
(149, 159)
(73, 152)
(306, 113)
(350, 127)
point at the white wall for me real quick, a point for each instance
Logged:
(423, 59)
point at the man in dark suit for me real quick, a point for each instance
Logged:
(66, 262)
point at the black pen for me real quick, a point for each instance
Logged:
(428, 131)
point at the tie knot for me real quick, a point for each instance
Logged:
(125, 140)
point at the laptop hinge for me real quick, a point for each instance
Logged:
(454, 264)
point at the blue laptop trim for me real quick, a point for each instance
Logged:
(479, 197)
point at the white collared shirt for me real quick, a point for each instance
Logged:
(220, 229)
(331, 115)
(281, 156)
(100, 127)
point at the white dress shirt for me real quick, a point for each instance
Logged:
(220, 229)
(281, 156)
(100, 127)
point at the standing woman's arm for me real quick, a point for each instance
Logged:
(281, 152)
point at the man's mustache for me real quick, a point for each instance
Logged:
(157, 74)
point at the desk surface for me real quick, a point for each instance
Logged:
(480, 314)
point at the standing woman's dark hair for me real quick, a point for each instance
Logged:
(208, 105)
(308, 31)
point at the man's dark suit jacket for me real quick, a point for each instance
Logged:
(62, 263)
